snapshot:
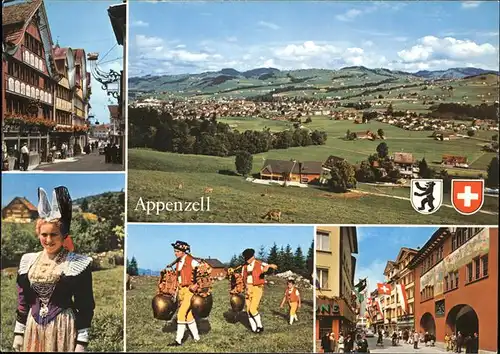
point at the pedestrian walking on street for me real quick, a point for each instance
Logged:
(25, 154)
(405, 336)
(475, 343)
(341, 343)
(380, 340)
(460, 342)
(415, 340)
(453, 342)
(107, 153)
(467, 343)
(326, 344)
(447, 340)
(361, 344)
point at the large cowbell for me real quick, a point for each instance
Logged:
(201, 305)
(164, 307)
(237, 302)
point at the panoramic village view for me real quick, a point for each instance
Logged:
(406, 289)
(323, 114)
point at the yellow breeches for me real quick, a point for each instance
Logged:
(253, 296)
(293, 308)
(185, 315)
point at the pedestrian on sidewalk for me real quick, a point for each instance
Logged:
(333, 342)
(475, 343)
(341, 343)
(380, 340)
(25, 153)
(453, 342)
(325, 343)
(447, 340)
(415, 340)
(460, 342)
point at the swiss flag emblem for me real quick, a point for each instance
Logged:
(384, 289)
(467, 195)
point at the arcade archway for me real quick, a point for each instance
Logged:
(463, 318)
(427, 323)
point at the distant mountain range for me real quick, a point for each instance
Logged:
(264, 80)
(453, 73)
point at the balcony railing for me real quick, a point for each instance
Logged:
(33, 60)
(19, 87)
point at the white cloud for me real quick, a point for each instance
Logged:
(232, 39)
(269, 25)
(368, 43)
(374, 272)
(139, 23)
(349, 15)
(434, 48)
(470, 4)
(142, 41)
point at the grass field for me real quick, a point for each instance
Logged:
(155, 176)
(106, 334)
(220, 333)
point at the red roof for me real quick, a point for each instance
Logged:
(59, 53)
(79, 54)
(14, 19)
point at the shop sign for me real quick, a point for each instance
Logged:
(328, 309)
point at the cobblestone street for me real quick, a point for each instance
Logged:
(91, 162)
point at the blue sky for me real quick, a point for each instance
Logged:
(180, 37)
(151, 244)
(86, 24)
(377, 245)
(79, 185)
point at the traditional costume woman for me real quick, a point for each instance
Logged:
(55, 297)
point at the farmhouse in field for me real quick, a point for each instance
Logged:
(404, 161)
(218, 268)
(442, 136)
(454, 161)
(19, 210)
(294, 171)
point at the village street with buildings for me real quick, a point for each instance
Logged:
(47, 96)
(428, 287)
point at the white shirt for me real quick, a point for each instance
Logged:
(250, 270)
(25, 150)
(194, 263)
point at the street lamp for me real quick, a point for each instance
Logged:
(106, 79)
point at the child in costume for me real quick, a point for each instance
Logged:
(292, 297)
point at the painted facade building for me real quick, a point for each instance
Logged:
(456, 285)
(38, 82)
(335, 268)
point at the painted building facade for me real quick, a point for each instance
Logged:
(38, 85)
(456, 285)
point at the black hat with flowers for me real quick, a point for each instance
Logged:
(181, 246)
(248, 253)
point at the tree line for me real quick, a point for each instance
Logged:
(285, 258)
(149, 128)
(466, 111)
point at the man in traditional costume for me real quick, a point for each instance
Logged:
(185, 267)
(253, 275)
(55, 302)
(292, 297)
